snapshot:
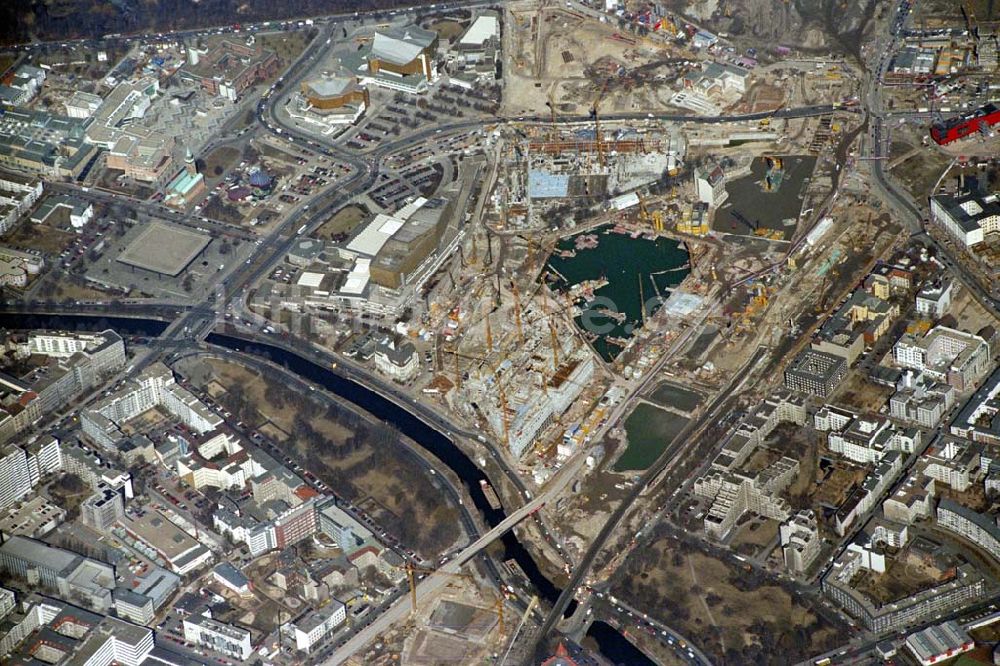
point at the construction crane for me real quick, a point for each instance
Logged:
(501, 392)
(595, 114)
(740, 217)
(552, 333)
(517, 310)
(520, 625)
(552, 114)
(411, 574)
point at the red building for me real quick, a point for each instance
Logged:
(957, 127)
(295, 524)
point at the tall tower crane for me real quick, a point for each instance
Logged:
(595, 114)
(411, 574)
(501, 392)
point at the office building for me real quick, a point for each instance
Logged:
(967, 218)
(230, 68)
(397, 359)
(934, 298)
(82, 104)
(710, 186)
(33, 518)
(132, 606)
(161, 538)
(70, 575)
(41, 143)
(318, 624)
(229, 576)
(346, 532)
(63, 207)
(225, 638)
(921, 400)
(815, 372)
(288, 528)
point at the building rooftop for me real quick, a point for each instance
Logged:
(401, 45)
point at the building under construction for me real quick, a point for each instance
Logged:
(585, 165)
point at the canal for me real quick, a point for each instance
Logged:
(613, 276)
(375, 404)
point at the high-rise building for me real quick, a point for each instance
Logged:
(15, 477)
(103, 509)
(800, 542)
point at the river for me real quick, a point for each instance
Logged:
(611, 642)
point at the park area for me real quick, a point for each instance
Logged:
(366, 462)
(738, 616)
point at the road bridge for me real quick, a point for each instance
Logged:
(440, 578)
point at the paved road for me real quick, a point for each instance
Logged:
(435, 581)
(670, 457)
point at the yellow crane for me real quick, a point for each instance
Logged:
(553, 334)
(595, 112)
(501, 392)
(517, 310)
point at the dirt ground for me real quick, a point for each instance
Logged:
(860, 394)
(73, 290)
(222, 158)
(342, 222)
(566, 57)
(288, 45)
(731, 615)
(921, 170)
(41, 237)
(447, 29)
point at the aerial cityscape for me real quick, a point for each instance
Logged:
(534, 332)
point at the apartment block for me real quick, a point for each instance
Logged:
(974, 527)
(800, 542)
(912, 500)
(921, 400)
(979, 419)
(225, 638)
(866, 496)
(945, 354)
(863, 438)
(856, 325)
(966, 587)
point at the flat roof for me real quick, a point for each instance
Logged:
(483, 28)
(164, 248)
(375, 235)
